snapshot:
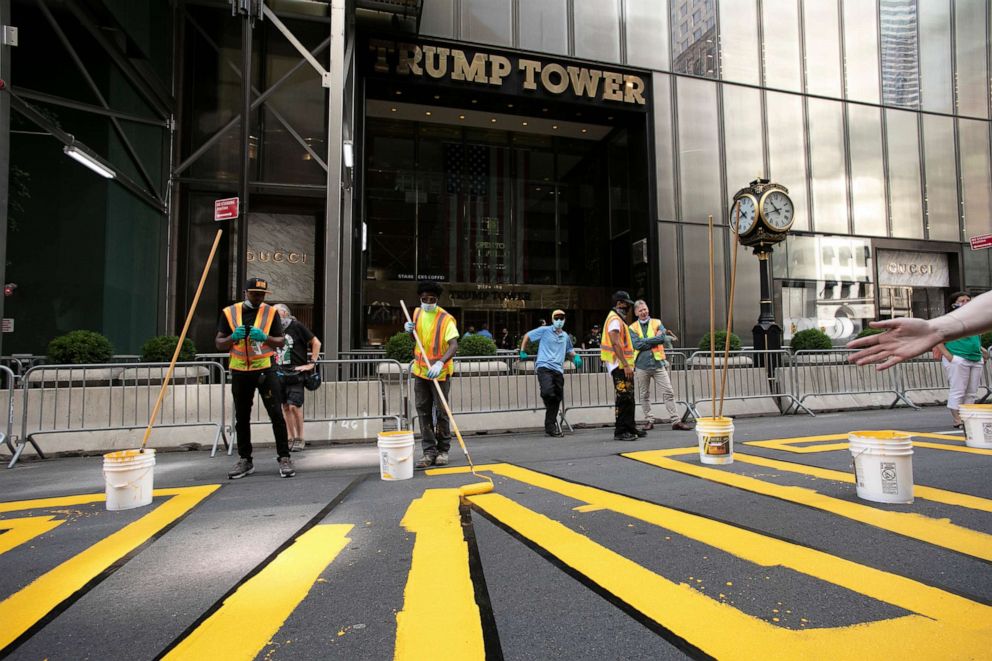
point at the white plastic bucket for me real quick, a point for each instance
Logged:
(396, 455)
(129, 474)
(977, 419)
(883, 465)
(716, 440)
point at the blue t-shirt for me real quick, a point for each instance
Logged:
(554, 346)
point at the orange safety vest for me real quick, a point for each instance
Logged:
(245, 354)
(607, 352)
(433, 340)
(654, 325)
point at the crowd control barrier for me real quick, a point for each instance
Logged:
(752, 374)
(824, 374)
(7, 387)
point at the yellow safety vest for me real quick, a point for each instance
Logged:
(654, 325)
(607, 352)
(434, 343)
(244, 356)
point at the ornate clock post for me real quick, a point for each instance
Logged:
(766, 214)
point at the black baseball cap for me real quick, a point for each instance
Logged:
(257, 284)
(622, 297)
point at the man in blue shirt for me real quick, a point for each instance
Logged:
(555, 345)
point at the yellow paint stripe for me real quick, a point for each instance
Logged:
(256, 611)
(24, 529)
(62, 501)
(723, 631)
(952, 448)
(23, 609)
(440, 619)
(939, 532)
(792, 444)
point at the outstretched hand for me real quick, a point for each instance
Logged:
(904, 338)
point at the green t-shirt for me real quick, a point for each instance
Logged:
(969, 348)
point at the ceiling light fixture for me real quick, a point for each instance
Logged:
(392, 110)
(461, 116)
(524, 123)
(428, 113)
(554, 126)
(493, 120)
(81, 156)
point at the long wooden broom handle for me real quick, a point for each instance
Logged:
(182, 337)
(730, 309)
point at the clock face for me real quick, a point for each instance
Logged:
(777, 210)
(746, 209)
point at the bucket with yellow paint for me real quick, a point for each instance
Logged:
(716, 440)
(128, 474)
(883, 465)
(977, 419)
(396, 455)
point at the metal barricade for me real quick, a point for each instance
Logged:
(751, 374)
(925, 374)
(8, 386)
(829, 373)
(64, 399)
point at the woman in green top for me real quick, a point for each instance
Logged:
(962, 362)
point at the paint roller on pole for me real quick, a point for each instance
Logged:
(469, 489)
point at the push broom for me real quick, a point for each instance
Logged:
(468, 489)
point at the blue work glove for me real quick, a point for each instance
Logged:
(435, 370)
(238, 334)
(577, 361)
(523, 355)
(408, 327)
(257, 335)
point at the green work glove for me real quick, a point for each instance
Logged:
(257, 335)
(577, 361)
(523, 355)
(238, 334)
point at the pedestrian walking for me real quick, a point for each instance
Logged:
(249, 332)
(555, 345)
(295, 360)
(651, 339)
(962, 360)
(617, 353)
(439, 336)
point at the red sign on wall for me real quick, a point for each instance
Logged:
(226, 209)
(979, 242)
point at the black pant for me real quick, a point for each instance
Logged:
(552, 386)
(243, 387)
(436, 436)
(623, 388)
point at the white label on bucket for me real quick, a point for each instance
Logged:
(987, 430)
(890, 484)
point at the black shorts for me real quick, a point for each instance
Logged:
(292, 392)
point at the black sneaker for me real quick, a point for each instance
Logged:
(640, 433)
(286, 467)
(626, 437)
(241, 469)
(555, 433)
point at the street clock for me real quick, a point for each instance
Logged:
(762, 214)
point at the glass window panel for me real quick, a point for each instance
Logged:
(693, 24)
(597, 29)
(821, 27)
(861, 50)
(902, 135)
(647, 33)
(826, 164)
(978, 269)
(698, 150)
(941, 178)
(787, 150)
(438, 18)
(668, 260)
(976, 177)
(900, 68)
(696, 260)
(391, 199)
(739, 42)
(864, 125)
(780, 24)
(487, 21)
(971, 23)
(742, 137)
(543, 26)
(935, 56)
(661, 86)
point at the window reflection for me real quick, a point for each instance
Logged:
(900, 73)
(905, 208)
(647, 33)
(597, 29)
(487, 21)
(867, 173)
(739, 42)
(787, 150)
(942, 176)
(693, 24)
(935, 56)
(698, 150)
(976, 178)
(826, 148)
(780, 50)
(971, 22)
(822, 34)
(861, 50)
(742, 136)
(543, 26)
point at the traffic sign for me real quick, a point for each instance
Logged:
(979, 242)
(226, 209)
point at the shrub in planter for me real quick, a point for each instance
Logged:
(868, 330)
(160, 349)
(811, 339)
(80, 347)
(400, 347)
(721, 339)
(476, 345)
(987, 339)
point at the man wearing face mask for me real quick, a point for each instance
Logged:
(439, 337)
(554, 346)
(250, 332)
(617, 353)
(651, 339)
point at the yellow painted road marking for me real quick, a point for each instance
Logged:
(939, 532)
(256, 611)
(62, 501)
(24, 529)
(440, 619)
(792, 444)
(943, 623)
(25, 608)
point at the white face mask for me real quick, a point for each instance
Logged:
(249, 305)
(558, 323)
(286, 321)
(428, 307)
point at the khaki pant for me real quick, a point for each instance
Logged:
(663, 383)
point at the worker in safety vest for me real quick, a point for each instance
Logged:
(251, 332)
(650, 339)
(439, 337)
(617, 353)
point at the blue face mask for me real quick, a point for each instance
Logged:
(428, 307)
(558, 323)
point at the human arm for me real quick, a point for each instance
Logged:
(314, 346)
(523, 345)
(940, 351)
